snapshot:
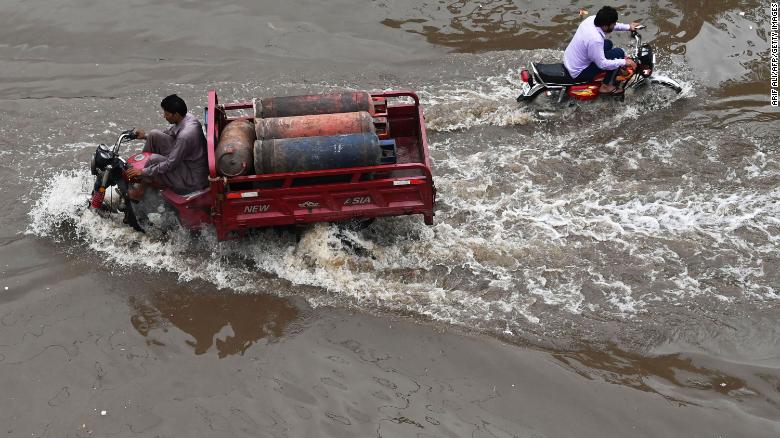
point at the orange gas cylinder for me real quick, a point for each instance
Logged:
(314, 126)
(288, 106)
(235, 150)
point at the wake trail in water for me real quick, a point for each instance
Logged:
(529, 223)
(489, 99)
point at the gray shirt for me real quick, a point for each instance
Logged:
(185, 165)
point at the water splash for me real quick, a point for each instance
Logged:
(529, 225)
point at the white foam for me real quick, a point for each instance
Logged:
(488, 100)
(619, 295)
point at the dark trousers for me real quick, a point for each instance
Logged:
(592, 70)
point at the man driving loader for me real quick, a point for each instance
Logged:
(179, 160)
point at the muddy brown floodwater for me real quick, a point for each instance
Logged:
(600, 270)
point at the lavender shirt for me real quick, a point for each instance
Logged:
(588, 46)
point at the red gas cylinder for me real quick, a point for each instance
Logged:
(235, 149)
(288, 106)
(314, 126)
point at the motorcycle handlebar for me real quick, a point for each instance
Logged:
(638, 39)
(129, 134)
(124, 136)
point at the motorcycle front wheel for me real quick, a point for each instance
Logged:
(667, 82)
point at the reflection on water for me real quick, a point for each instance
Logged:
(681, 379)
(228, 321)
(637, 371)
(474, 26)
(482, 25)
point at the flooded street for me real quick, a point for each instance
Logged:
(614, 264)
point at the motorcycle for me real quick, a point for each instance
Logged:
(555, 81)
(110, 170)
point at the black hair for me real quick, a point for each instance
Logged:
(174, 104)
(606, 16)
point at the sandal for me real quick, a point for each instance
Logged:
(617, 91)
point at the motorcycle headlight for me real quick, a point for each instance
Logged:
(101, 159)
(646, 57)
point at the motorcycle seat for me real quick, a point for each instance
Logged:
(556, 74)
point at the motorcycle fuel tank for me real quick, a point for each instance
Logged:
(139, 160)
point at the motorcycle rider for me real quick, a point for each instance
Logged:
(590, 53)
(179, 159)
